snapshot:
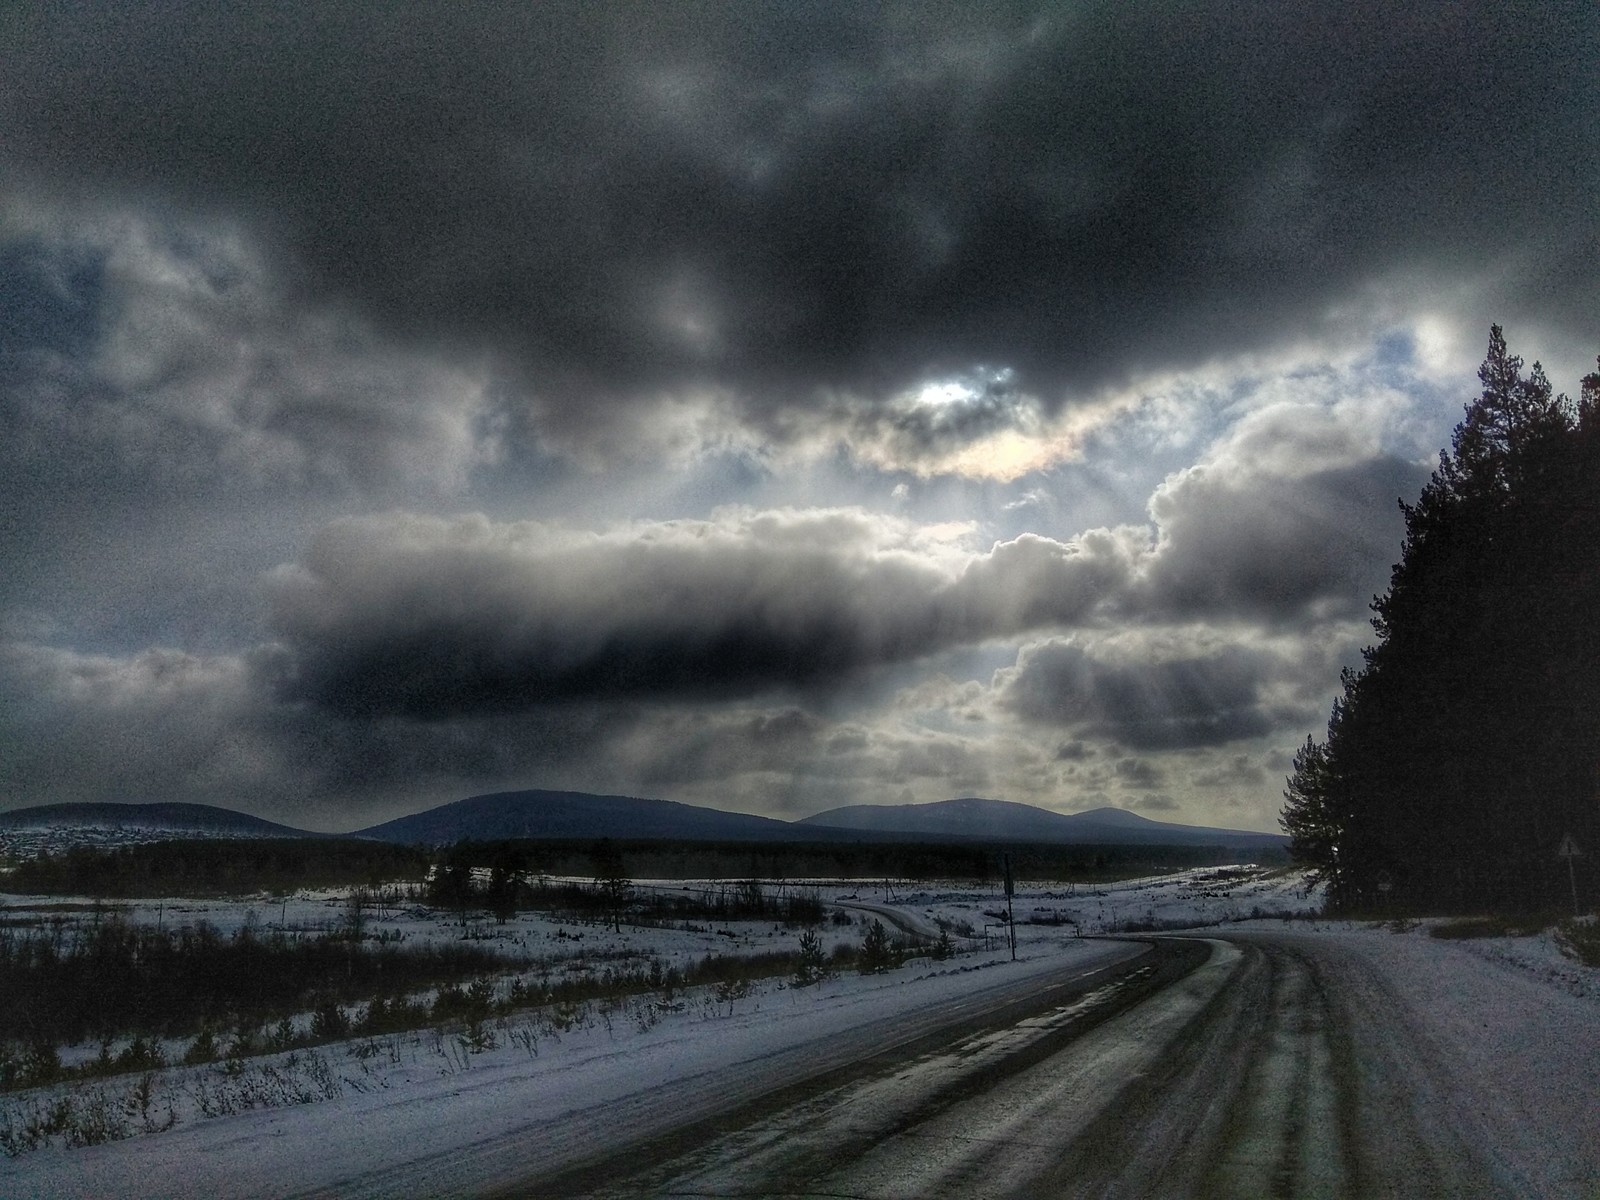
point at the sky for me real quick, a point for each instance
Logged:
(769, 406)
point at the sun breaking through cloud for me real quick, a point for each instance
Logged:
(775, 406)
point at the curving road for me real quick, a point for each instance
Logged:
(1263, 1065)
(579, 1149)
(1259, 1067)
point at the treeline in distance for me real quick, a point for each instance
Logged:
(217, 867)
(202, 867)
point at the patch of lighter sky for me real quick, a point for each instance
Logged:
(939, 395)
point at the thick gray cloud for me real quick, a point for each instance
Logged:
(142, 352)
(172, 726)
(785, 203)
(1136, 319)
(1162, 703)
(153, 725)
(423, 616)
(168, 416)
(1289, 518)
(165, 725)
(1234, 771)
(1293, 515)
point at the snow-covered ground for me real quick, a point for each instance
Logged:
(352, 1107)
(547, 947)
(1536, 956)
(370, 1101)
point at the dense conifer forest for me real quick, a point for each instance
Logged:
(217, 867)
(664, 858)
(237, 866)
(1464, 755)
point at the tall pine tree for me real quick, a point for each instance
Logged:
(1468, 744)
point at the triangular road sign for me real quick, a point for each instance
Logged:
(1569, 848)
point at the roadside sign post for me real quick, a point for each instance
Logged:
(1569, 851)
(1011, 920)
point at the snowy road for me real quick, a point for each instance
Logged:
(575, 1151)
(1287, 1060)
(1283, 1067)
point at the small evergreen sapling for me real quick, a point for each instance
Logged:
(876, 953)
(809, 968)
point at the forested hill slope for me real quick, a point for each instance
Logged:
(53, 828)
(545, 814)
(156, 818)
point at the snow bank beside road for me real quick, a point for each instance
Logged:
(1519, 1055)
(427, 1113)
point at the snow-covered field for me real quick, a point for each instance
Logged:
(376, 1100)
(548, 948)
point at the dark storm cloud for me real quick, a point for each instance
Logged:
(177, 353)
(48, 302)
(165, 725)
(159, 724)
(787, 199)
(1290, 518)
(1202, 700)
(1139, 774)
(429, 617)
(1235, 772)
(167, 414)
(267, 266)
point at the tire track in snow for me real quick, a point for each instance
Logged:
(1266, 1073)
(905, 1129)
(1283, 1136)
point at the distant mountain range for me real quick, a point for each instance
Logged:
(53, 828)
(197, 819)
(1008, 821)
(547, 814)
(541, 814)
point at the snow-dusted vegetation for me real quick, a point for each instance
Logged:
(398, 988)
(579, 1009)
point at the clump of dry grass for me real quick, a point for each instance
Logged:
(1489, 927)
(1579, 938)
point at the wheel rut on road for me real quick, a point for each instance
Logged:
(785, 1140)
(1239, 1077)
(1265, 1094)
(1283, 1135)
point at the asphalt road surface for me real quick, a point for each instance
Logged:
(1256, 1067)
